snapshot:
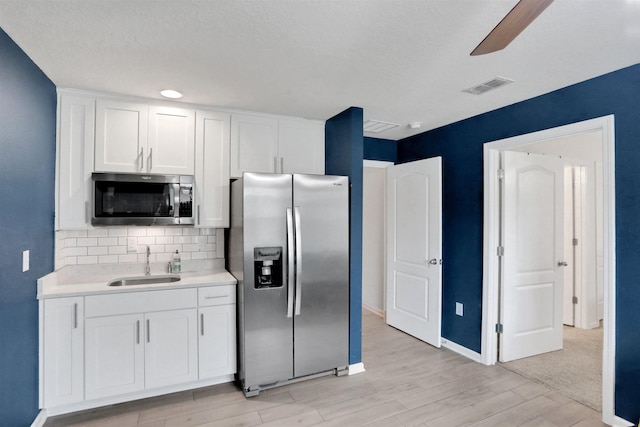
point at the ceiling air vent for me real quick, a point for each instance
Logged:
(487, 86)
(375, 126)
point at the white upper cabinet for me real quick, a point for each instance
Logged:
(171, 141)
(121, 136)
(138, 138)
(76, 119)
(276, 145)
(254, 144)
(212, 169)
(301, 146)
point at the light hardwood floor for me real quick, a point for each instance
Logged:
(406, 383)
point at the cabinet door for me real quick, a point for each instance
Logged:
(171, 350)
(301, 146)
(217, 350)
(212, 169)
(121, 136)
(63, 351)
(75, 161)
(254, 144)
(171, 141)
(114, 355)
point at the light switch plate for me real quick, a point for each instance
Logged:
(459, 308)
(25, 261)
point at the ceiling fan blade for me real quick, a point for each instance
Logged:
(511, 25)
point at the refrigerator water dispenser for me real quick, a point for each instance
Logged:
(267, 266)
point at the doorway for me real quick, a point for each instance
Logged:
(492, 268)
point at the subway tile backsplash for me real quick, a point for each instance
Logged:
(108, 245)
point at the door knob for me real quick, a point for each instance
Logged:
(433, 261)
(562, 263)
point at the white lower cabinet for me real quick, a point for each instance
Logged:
(171, 348)
(101, 349)
(62, 331)
(114, 355)
(217, 351)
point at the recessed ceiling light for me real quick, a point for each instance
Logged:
(170, 93)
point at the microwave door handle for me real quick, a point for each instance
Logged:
(176, 200)
(290, 263)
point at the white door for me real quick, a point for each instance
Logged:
(533, 261)
(414, 248)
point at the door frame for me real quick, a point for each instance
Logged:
(491, 227)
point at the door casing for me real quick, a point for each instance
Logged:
(491, 270)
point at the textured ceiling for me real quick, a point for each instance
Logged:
(401, 60)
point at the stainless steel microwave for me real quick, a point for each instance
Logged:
(139, 199)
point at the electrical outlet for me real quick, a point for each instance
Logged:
(25, 261)
(459, 309)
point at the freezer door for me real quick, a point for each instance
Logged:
(267, 333)
(321, 319)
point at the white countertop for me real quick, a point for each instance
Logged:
(66, 284)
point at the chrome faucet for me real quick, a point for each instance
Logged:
(147, 270)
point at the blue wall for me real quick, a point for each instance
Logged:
(27, 160)
(343, 156)
(380, 149)
(460, 145)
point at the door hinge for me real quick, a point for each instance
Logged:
(498, 328)
(574, 300)
(575, 242)
(500, 251)
(500, 173)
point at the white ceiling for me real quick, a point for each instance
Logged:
(401, 60)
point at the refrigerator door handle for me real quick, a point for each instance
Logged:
(290, 262)
(298, 261)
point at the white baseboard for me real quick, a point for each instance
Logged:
(356, 368)
(374, 310)
(40, 419)
(619, 422)
(476, 357)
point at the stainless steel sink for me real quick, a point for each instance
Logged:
(144, 280)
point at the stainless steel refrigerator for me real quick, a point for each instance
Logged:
(289, 250)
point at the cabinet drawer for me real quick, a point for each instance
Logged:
(140, 302)
(217, 295)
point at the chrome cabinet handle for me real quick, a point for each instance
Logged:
(149, 161)
(148, 332)
(137, 332)
(217, 296)
(75, 316)
(562, 263)
(141, 158)
(202, 324)
(290, 263)
(198, 214)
